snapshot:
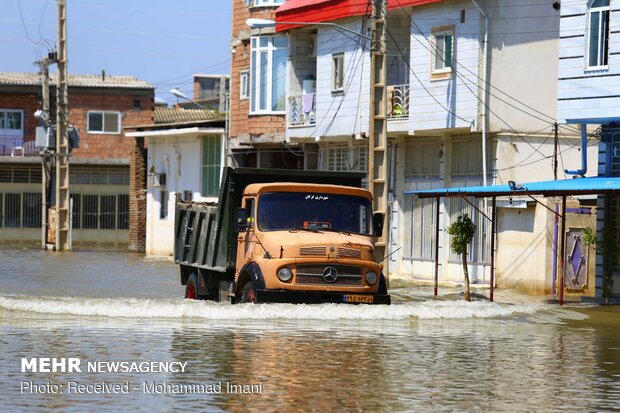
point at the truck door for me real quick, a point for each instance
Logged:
(246, 239)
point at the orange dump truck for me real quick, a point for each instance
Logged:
(282, 236)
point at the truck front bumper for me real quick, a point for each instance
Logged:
(318, 297)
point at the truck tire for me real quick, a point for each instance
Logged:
(191, 288)
(247, 293)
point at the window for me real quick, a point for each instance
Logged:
(12, 214)
(268, 74)
(211, 165)
(598, 33)
(11, 123)
(244, 85)
(107, 214)
(443, 49)
(338, 72)
(104, 122)
(421, 237)
(100, 211)
(467, 156)
(163, 204)
(344, 157)
(265, 2)
(423, 159)
(90, 211)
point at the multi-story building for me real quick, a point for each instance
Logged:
(209, 91)
(589, 97)
(471, 92)
(100, 107)
(258, 92)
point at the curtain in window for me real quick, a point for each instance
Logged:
(278, 93)
(598, 33)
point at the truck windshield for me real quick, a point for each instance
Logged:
(279, 211)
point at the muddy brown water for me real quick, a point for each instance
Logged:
(416, 355)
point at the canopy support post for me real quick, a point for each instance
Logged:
(562, 249)
(436, 244)
(493, 228)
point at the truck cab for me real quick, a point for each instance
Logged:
(307, 243)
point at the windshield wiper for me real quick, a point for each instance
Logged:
(340, 231)
(304, 229)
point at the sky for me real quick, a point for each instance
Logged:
(163, 42)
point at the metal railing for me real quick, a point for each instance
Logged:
(398, 101)
(302, 110)
(16, 146)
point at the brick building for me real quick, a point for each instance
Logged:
(258, 91)
(101, 106)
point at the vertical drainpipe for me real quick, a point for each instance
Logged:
(483, 111)
(584, 153)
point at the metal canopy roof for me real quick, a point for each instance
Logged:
(577, 186)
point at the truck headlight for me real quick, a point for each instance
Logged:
(371, 277)
(285, 274)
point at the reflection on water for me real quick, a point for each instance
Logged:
(413, 356)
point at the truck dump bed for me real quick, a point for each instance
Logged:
(205, 233)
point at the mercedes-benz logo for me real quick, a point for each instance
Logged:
(330, 274)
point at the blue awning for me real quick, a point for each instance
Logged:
(577, 186)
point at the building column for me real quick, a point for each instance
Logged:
(137, 195)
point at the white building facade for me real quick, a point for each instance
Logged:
(457, 71)
(589, 97)
(185, 159)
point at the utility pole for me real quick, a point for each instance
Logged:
(377, 145)
(63, 210)
(555, 152)
(46, 158)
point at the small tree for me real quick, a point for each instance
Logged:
(462, 231)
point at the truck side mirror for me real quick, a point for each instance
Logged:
(241, 219)
(377, 224)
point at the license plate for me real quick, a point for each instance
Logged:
(352, 298)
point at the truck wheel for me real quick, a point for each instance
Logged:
(247, 294)
(191, 288)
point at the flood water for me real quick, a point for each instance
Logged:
(416, 355)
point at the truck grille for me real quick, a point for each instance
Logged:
(348, 275)
(349, 253)
(305, 251)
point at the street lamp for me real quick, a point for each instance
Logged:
(180, 95)
(267, 24)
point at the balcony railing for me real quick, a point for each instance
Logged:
(398, 101)
(12, 146)
(302, 110)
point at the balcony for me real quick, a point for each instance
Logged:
(302, 110)
(12, 146)
(398, 101)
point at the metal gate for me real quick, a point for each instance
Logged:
(576, 275)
